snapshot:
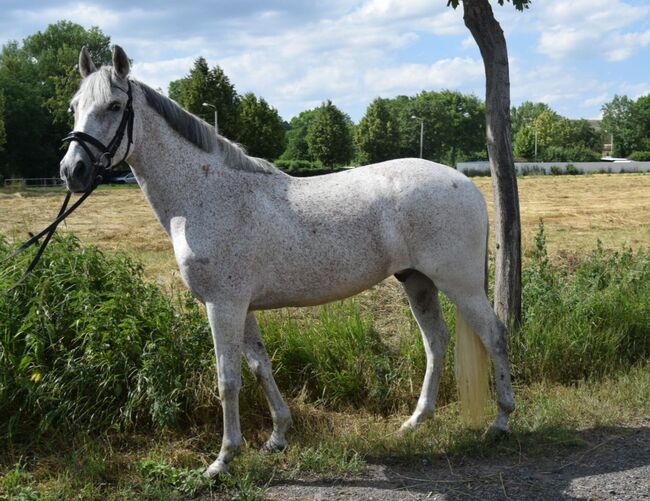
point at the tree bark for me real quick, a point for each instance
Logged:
(487, 33)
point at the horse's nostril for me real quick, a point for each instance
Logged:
(80, 168)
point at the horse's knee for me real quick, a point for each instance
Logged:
(260, 367)
(229, 388)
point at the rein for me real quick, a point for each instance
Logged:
(102, 166)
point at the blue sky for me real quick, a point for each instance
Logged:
(572, 54)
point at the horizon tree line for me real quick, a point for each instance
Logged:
(38, 78)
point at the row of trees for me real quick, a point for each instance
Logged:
(542, 134)
(38, 78)
(454, 124)
(247, 119)
(627, 121)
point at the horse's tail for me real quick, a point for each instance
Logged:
(472, 366)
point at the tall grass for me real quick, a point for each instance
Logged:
(583, 318)
(335, 357)
(87, 344)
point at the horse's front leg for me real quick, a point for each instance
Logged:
(258, 360)
(227, 324)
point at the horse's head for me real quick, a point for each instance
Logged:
(103, 121)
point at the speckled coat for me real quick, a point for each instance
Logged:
(247, 236)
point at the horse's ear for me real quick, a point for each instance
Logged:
(121, 66)
(86, 65)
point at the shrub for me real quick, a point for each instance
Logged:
(86, 344)
(639, 156)
(305, 168)
(336, 357)
(297, 165)
(532, 170)
(572, 170)
(586, 321)
(570, 154)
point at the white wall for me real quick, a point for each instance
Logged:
(545, 167)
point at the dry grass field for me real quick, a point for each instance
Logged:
(577, 210)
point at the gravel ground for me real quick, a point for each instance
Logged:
(614, 466)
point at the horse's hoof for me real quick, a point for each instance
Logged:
(272, 446)
(408, 426)
(215, 469)
(497, 432)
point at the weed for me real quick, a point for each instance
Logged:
(87, 344)
(184, 480)
(17, 485)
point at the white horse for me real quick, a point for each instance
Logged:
(248, 237)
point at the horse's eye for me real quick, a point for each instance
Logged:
(114, 106)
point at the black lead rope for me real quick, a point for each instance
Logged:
(102, 165)
(48, 232)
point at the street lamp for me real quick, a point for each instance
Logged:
(216, 122)
(421, 131)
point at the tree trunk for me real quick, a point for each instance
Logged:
(487, 33)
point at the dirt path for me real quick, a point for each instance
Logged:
(614, 466)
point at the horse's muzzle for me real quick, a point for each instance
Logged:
(78, 178)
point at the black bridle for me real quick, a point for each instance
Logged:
(101, 165)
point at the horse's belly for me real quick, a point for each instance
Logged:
(300, 286)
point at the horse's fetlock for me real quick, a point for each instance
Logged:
(231, 446)
(507, 405)
(283, 417)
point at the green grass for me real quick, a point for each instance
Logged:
(107, 384)
(119, 466)
(585, 318)
(87, 344)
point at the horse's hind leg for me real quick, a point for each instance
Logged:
(478, 312)
(423, 300)
(258, 361)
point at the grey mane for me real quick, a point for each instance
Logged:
(202, 134)
(98, 87)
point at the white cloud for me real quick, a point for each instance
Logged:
(411, 78)
(82, 13)
(598, 100)
(468, 42)
(556, 85)
(158, 74)
(590, 29)
(391, 10)
(571, 54)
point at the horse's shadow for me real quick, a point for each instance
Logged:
(609, 463)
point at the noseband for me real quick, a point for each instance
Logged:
(101, 168)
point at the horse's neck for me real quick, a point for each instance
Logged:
(164, 162)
